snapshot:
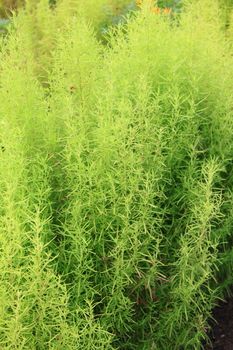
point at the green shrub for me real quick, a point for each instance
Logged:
(116, 177)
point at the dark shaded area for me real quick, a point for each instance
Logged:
(221, 333)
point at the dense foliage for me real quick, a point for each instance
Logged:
(116, 179)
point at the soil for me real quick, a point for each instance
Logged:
(221, 334)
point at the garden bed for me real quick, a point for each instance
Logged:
(221, 334)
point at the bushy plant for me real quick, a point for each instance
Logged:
(116, 177)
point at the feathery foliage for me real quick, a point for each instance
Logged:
(115, 175)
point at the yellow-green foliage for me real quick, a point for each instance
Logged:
(6, 6)
(230, 29)
(115, 177)
(90, 10)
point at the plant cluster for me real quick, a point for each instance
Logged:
(116, 179)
